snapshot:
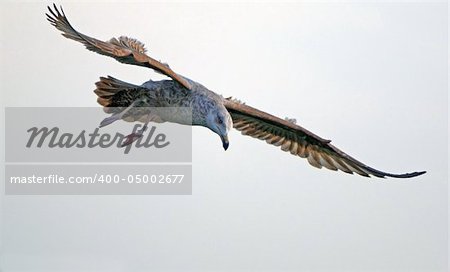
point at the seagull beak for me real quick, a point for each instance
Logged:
(225, 142)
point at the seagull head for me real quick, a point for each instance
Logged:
(219, 121)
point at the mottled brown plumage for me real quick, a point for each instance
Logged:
(124, 49)
(208, 109)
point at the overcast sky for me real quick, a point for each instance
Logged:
(371, 77)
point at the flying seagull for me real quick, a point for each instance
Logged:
(208, 109)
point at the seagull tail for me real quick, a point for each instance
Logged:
(108, 89)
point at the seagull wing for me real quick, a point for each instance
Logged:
(299, 141)
(123, 49)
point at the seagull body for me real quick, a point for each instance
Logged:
(197, 106)
(203, 107)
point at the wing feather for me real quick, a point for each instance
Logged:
(299, 141)
(123, 49)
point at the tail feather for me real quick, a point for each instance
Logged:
(113, 92)
(109, 86)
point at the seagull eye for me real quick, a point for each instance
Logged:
(219, 120)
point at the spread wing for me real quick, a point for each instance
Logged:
(123, 49)
(299, 141)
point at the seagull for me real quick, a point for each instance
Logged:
(205, 107)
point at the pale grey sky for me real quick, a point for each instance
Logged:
(371, 77)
